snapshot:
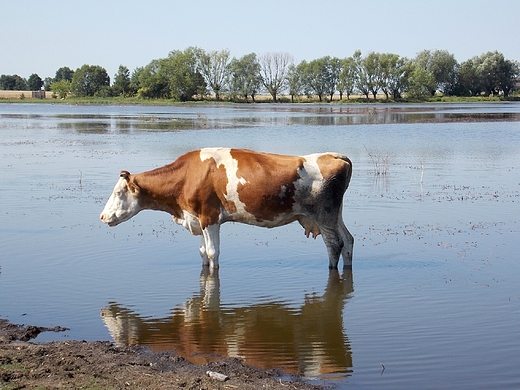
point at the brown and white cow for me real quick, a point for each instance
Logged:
(205, 188)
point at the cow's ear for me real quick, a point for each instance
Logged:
(133, 187)
(125, 175)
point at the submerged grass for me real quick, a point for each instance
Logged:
(380, 162)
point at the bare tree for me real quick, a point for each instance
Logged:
(214, 67)
(273, 69)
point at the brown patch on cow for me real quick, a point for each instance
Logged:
(336, 171)
(269, 188)
(203, 190)
(187, 184)
(331, 166)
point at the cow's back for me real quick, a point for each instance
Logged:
(270, 189)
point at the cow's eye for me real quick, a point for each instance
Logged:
(117, 193)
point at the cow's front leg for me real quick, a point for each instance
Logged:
(202, 249)
(211, 235)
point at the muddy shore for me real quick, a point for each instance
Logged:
(101, 365)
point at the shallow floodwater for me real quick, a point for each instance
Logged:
(433, 300)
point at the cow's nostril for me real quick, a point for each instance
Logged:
(102, 217)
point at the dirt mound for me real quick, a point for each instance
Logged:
(80, 364)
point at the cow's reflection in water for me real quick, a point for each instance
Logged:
(309, 340)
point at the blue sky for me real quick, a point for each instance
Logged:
(42, 36)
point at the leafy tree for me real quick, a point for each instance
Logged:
(152, 82)
(372, 69)
(64, 73)
(400, 78)
(6, 82)
(245, 76)
(321, 76)
(421, 83)
(489, 73)
(273, 70)
(90, 80)
(214, 67)
(34, 83)
(315, 75)
(121, 84)
(362, 76)
(302, 70)
(19, 83)
(332, 70)
(175, 76)
(346, 77)
(394, 74)
(12, 83)
(135, 83)
(443, 68)
(496, 73)
(468, 82)
(61, 88)
(295, 80)
(47, 82)
(384, 70)
(423, 60)
(387, 69)
(180, 70)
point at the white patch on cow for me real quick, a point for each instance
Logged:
(189, 222)
(311, 179)
(222, 156)
(121, 206)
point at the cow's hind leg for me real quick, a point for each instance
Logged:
(334, 243)
(348, 244)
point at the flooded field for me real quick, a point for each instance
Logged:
(433, 300)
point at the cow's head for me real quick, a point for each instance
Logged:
(123, 204)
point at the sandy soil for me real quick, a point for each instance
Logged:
(101, 365)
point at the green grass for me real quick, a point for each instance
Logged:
(263, 99)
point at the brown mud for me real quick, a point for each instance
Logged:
(101, 365)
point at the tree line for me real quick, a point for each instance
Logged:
(196, 74)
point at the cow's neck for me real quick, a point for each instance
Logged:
(159, 189)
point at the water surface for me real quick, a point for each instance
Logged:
(433, 297)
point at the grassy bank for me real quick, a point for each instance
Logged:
(262, 100)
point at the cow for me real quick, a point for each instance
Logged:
(205, 188)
